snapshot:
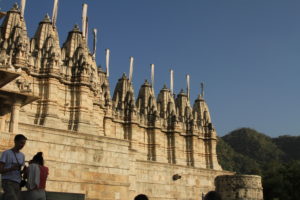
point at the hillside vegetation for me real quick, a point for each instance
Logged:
(277, 160)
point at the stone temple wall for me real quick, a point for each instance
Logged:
(105, 146)
(105, 168)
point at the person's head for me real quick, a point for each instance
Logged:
(141, 197)
(20, 141)
(212, 195)
(38, 158)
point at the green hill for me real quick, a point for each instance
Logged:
(253, 144)
(277, 160)
(230, 160)
(290, 145)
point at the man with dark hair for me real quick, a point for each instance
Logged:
(212, 195)
(11, 162)
(141, 197)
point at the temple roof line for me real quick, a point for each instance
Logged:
(73, 62)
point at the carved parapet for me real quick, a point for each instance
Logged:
(239, 187)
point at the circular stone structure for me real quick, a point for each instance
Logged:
(239, 187)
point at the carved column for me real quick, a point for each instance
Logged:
(14, 120)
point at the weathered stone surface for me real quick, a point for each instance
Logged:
(239, 187)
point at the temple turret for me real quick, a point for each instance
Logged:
(201, 113)
(183, 107)
(45, 48)
(76, 55)
(14, 43)
(124, 94)
(73, 42)
(104, 87)
(146, 101)
(165, 103)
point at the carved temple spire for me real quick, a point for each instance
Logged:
(45, 47)
(165, 103)
(11, 21)
(146, 101)
(14, 39)
(73, 42)
(46, 36)
(184, 109)
(123, 94)
(201, 112)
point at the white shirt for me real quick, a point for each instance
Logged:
(33, 179)
(9, 159)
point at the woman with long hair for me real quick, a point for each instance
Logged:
(37, 175)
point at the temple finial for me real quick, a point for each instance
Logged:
(76, 27)
(15, 7)
(46, 18)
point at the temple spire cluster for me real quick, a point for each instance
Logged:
(68, 80)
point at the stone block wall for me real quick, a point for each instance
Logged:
(95, 166)
(156, 181)
(239, 187)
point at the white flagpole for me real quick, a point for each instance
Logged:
(107, 61)
(54, 12)
(188, 85)
(84, 20)
(152, 75)
(95, 43)
(23, 4)
(130, 68)
(172, 81)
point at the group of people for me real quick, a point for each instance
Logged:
(16, 174)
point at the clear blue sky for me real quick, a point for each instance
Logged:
(246, 51)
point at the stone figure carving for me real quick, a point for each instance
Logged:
(54, 57)
(23, 85)
(3, 58)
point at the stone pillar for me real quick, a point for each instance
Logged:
(2, 123)
(199, 160)
(213, 154)
(14, 120)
